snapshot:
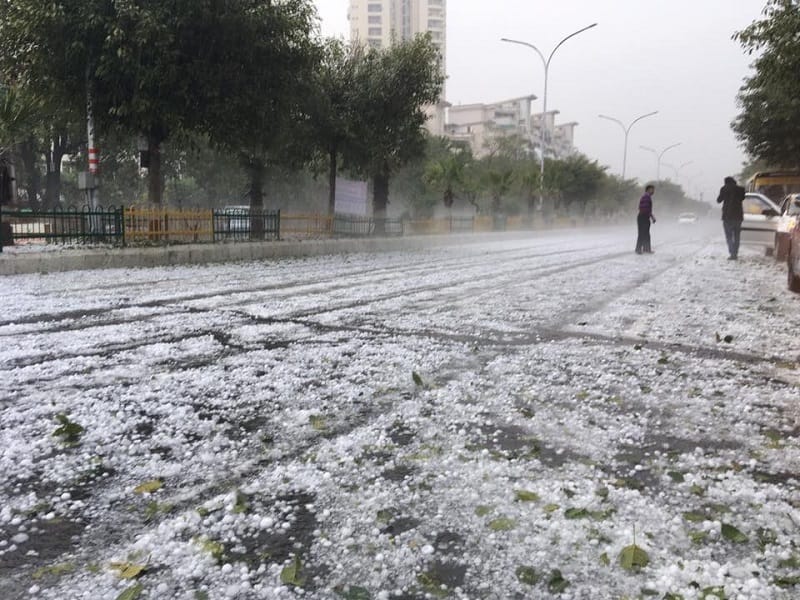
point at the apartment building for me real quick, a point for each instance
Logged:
(479, 125)
(378, 23)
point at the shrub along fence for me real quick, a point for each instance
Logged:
(161, 225)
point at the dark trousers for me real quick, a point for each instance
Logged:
(733, 230)
(643, 241)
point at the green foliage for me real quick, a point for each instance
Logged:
(769, 121)
(417, 379)
(69, 431)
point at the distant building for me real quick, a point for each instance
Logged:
(377, 23)
(479, 125)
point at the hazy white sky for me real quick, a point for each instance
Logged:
(673, 56)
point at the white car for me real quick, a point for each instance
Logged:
(790, 213)
(687, 218)
(760, 221)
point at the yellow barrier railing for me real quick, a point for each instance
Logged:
(164, 224)
(306, 225)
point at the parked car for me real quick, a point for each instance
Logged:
(793, 257)
(790, 213)
(687, 218)
(760, 221)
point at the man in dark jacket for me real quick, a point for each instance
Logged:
(643, 221)
(731, 196)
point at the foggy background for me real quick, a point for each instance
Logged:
(676, 57)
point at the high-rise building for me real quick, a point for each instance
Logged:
(378, 22)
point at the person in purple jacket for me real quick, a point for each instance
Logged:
(643, 221)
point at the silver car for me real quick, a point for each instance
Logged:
(790, 213)
(760, 221)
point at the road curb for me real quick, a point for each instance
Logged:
(69, 259)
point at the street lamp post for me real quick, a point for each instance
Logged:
(677, 170)
(546, 63)
(627, 131)
(658, 156)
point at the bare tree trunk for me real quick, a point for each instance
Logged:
(54, 157)
(155, 183)
(256, 193)
(380, 200)
(28, 154)
(333, 155)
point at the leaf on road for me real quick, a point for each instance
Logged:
(633, 558)
(318, 422)
(290, 574)
(352, 592)
(527, 575)
(417, 379)
(148, 487)
(525, 496)
(732, 534)
(557, 584)
(127, 570)
(132, 592)
(502, 524)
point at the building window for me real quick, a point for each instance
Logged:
(435, 24)
(375, 8)
(375, 31)
(375, 20)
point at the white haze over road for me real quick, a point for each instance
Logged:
(674, 56)
(490, 420)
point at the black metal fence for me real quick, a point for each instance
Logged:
(71, 225)
(355, 226)
(243, 224)
(160, 225)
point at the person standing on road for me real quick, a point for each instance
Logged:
(643, 221)
(731, 197)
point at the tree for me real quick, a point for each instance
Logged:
(332, 105)
(398, 83)
(258, 111)
(769, 122)
(445, 172)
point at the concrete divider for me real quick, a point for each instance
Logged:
(71, 259)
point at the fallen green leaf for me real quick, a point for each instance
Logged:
(352, 592)
(556, 583)
(633, 558)
(482, 510)
(417, 379)
(318, 422)
(132, 592)
(502, 524)
(527, 575)
(290, 574)
(148, 487)
(127, 570)
(525, 496)
(732, 534)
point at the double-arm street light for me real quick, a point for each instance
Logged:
(678, 170)
(627, 131)
(546, 63)
(658, 156)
